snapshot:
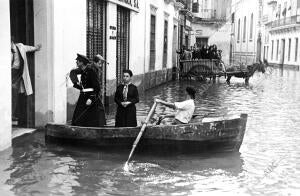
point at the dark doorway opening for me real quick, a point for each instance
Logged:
(22, 28)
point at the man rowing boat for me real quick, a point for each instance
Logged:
(184, 109)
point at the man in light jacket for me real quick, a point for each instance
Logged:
(21, 82)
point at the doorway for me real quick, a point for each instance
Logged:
(22, 29)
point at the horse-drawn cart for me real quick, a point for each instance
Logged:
(213, 68)
(201, 69)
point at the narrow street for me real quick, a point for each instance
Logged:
(89, 89)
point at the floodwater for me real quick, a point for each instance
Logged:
(268, 162)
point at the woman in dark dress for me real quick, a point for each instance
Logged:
(126, 97)
(89, 111)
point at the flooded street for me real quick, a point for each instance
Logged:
(268, 162)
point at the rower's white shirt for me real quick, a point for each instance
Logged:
(184, 110)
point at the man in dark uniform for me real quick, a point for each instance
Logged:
(126, 97)
(89, 111)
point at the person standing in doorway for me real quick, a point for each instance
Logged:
(89, 111)
(20, 77)
(126, 97)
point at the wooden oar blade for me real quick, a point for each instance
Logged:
(139, 135)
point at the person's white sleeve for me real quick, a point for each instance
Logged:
(180, 105)
(29, 48)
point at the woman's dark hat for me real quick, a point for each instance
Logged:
(82, 58)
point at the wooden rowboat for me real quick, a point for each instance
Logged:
(217, 134)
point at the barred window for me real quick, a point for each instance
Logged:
(245, 26)
(251, 27)
(96, 28)
(165, 49)
(239, 30)
(296, 49)
(96, 36)
(123, 30)
(272, 50)
(289, 49)
(152, 42)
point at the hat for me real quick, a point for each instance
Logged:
(82, 58)
(98, 58)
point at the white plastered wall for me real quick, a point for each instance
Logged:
(60, 26)
(5, 76)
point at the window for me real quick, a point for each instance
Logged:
(277, 50)
(165, 49)
(251, 27)
(244, 33)
(195, 6)
(272, 50)
(96, 31)
(284, 9)
(289, 51)
(238, 33)
(296, 49)
(96, 36)
(152, 42)
(122, 41)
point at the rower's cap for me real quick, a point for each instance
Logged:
(191, 91)
(82, 58)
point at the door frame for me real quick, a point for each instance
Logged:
(22, 27)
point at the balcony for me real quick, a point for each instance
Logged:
(208, 15)
(284, 22)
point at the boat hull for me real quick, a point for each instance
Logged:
(216, 134)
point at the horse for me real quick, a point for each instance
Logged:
(246, 74)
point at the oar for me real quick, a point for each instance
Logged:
(140, 135)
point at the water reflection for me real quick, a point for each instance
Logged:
(147, 172)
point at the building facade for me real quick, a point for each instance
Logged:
(130, 34)
(247, 31)
(282, 23)
(211, 25)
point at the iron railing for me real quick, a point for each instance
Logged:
(285, 21)
(208, 13)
